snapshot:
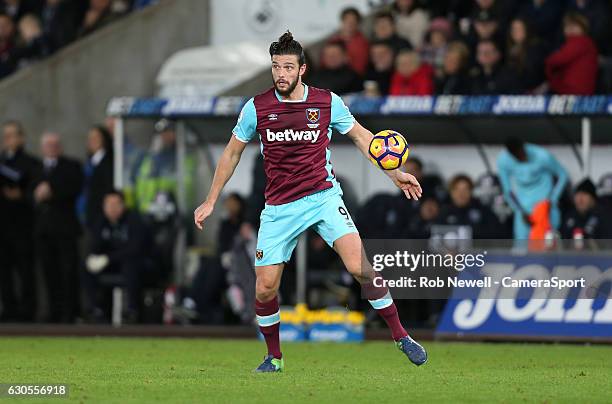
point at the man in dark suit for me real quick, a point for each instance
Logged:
(18, 171)
(57, 227)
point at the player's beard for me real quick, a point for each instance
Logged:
(289, 90)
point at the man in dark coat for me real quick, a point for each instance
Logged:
(17, 174)
(57, 227)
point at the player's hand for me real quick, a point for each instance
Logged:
(201, 213)
(409, 184)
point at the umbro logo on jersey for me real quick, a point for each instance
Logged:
(272, 117)
(289, 135)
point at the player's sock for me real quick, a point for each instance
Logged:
(382, 302)
(268, 318)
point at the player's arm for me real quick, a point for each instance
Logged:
(243, 132)
(405, 181)
(225, 168)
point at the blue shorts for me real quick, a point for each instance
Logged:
(281, 225)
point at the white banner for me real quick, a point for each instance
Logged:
(248, 20)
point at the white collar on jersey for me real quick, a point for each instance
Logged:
(278, 96)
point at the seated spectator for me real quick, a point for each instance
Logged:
(431, 183)
(7, 44)
(491, 77)
(604, 190)
(16, 9)
(412, 22)
(384, 30)
(411, 77)
(545, 17)
(485, 26)
(32, 45)
(455, 78)
(525, 55)
(573, 68)
(587, 219)
(464, 210)
(120, 244)
(419, 226)
(335, 73)
(436, 45)
(355, 42)
(382, 61)
(235, 211)
(597, 12)
(99, 14)
(59, 22)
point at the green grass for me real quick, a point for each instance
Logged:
(197, 370)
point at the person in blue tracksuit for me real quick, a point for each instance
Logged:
(530, 174)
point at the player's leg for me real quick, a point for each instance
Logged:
(268, 313)
(350, 249)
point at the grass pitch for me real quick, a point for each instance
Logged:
(147, 370)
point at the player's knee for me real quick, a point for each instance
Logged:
(265, 290)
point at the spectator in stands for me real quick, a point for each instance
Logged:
(530, 175)
(59, 22)
(99, 14)
(7, 45)
(544, 16)
(32, 45)
(525, 55)
(491, 77)
(587, 219)
(486, 26)
(98, 174)
(18, 171)
(120, 244)
(16, 9)
(235, 211)
(355, 42)
(431, 183)
(465, 210)
(382, 64)
(455, 77)
(597, 13)
(335, 73)
(419, 226)
(434, 49)
(57, 227)
(412, 22)
(573, 68)
(604, 190)
(411, 77)
(384, 30)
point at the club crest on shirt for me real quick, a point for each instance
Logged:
(313, 115)
(259, 254)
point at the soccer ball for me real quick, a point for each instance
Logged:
(388, 150)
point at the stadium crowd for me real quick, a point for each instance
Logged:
(31, 30)
(471, 47)
(64, 216)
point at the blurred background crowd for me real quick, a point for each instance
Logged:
(64, 227)
(31, 30)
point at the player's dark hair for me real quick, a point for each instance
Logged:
(349, 11)
(286, 45)
(515, 145)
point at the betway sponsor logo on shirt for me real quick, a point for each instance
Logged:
(290, 135)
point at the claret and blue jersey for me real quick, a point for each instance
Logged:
(295, 137)
(301, 191)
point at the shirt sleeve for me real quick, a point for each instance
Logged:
(341, 118)
(246, 126)
(559, 172)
